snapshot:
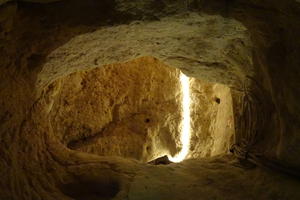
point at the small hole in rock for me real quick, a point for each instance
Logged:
(217, 100)
(147, 120)
(148, 148)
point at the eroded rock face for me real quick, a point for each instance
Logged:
(212, 119)
(202, 46)
(134, 110)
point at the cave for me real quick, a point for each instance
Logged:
(149, 100)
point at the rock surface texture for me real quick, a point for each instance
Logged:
(120, 110)
(66, 133)
(134, 110)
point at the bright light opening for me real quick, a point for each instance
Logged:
(186, 121)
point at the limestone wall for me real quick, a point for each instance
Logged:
(134, 110)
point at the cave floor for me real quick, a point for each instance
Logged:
(213, 178)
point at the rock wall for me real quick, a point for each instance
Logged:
(130, 110)
(211, 119)
(134, 110)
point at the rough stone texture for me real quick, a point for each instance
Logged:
(263, 75)
(124, 110)
(211, 119)
(201, 46)
(120, 110)
(214, 178)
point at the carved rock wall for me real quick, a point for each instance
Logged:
(134, 110)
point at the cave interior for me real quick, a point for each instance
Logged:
(149, 100)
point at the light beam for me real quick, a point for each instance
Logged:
(186, 120)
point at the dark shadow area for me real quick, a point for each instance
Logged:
(91, 190)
